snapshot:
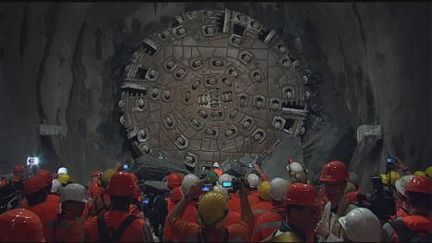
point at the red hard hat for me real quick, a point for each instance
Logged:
(121, 184)
(97, 173)
(334, 171)
(18, 169)
(302, 195)
(33, 185)
(175, 179)
(46, 176)
(20, 225)
(422, 184)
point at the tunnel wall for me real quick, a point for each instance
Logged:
(60, 63)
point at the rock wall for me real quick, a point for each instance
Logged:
(60, 64)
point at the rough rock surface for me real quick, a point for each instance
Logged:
(60, 64)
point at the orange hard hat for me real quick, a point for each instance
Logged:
(33, 185)
(20, 225)
(176, 194)
(334, 171)
(121, 184)
(422, 184)
(175, 179)
(18, 169)
(46, 176)
(302, 195)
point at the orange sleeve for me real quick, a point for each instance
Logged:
(189, 230)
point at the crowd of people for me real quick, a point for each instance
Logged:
(216, 206)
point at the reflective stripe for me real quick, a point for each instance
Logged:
(259, 211)
(272, 224)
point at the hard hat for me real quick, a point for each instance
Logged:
(56, 184)
(97, 173)
(62, 170)
(253, 180)
(354, 178)
(216, 164)
(121, 184)
(174, 179)
(106, 176)
(212, 177)
(225, 177)
(18, 169)
(294, 167)
(302, 195)
(188, 181)
(419, 173)
(20, 225)
(278, 188)
(73, 192)
(264, 190)
(46, 176)
(394, 177)
(422, 184)
(33, 185)
(63, 178)
(176, 194)
(428, 171)
(222, 189)
(334, 171)
(212, 208)
(402, 183)
(361, 225)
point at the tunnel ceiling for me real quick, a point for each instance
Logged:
(212, 86)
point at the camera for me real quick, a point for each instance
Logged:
(227, 184)
(206, 188)
(32, 161)
(380, 201)
(125, 167)
(145, 201)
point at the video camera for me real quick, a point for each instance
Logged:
(233, 185)
(380, 201)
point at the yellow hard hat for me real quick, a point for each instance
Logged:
(394, 176)
(428, 171)
(419, 173)
(212, 208)
(106, 176)
(63, 178)
(264, 190)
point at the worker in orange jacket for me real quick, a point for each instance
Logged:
(36, 193)
(253, 183)
(211, 213)
(117, 224)
(277, 190)
(68, 224)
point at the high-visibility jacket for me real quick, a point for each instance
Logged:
(193, 232)
(136, 231)
(189, 216)
(47, 211)
(260, 208)
(65, 228)
(253, 197)
(265, 225)
(408, 228)
(233, 203)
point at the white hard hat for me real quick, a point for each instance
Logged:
(294, 167)
(361, 225)
(73, 192)
(402, 183)
(56, 184)
(222, 189)
(188, 181)
(62, 170)
(225, 177)
(253, 180)
(278, 188)
(216, 164)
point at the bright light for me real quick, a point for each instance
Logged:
(32, 160)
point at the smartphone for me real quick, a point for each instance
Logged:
(145, 201)
(227, 184)
(206, 188)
